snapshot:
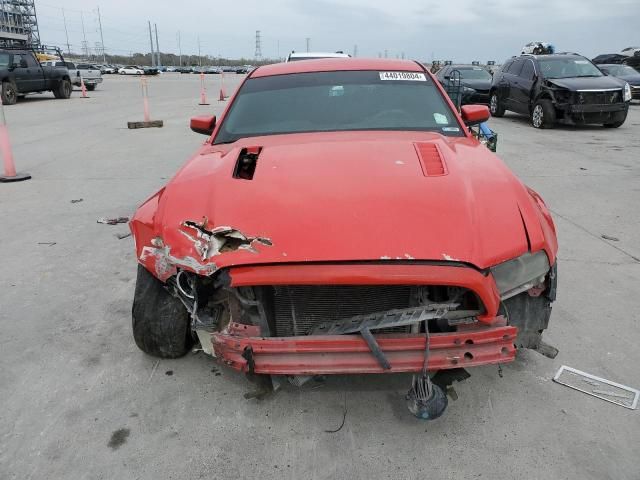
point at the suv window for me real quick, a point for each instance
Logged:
(527, 70)
(17, 59)
(31, 61)
(516, 67)
(4, 59)
(505, 67)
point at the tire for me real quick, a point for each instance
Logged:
(91, 88)
(161, 323)
(9, 93)
(497, 110)
(63, 89)
(543, 114)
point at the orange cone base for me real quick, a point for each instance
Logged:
(18, 177)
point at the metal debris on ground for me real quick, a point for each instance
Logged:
(120, 236)
(113, 221)
(344, 416)
(51, 244)
(598, 387)
(613, 239)
(77, 200)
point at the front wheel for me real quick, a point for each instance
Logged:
(9, 93)
(543, 114)
(63, 90)
(161, 323)
(496, 108)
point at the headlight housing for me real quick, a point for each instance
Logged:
(520, 274)
(627, 92)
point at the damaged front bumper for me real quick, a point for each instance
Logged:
(241, 348)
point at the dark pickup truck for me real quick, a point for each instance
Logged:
(21, 73)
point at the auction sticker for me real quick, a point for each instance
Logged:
(410, 76)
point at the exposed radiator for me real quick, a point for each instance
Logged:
(298, 308)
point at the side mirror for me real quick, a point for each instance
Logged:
(474, 114)
(203, 124)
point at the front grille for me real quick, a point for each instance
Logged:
(298, 308)
(599, 98)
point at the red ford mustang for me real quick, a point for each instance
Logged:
(342, 219)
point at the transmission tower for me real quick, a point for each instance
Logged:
(258, 54)
(18, 22)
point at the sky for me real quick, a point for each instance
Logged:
(458, 30)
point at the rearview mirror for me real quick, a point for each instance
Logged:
(203, 124)
(474, 114)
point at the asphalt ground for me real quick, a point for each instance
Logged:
(78, 400)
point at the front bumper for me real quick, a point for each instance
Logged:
(635, 92)
(241, 348)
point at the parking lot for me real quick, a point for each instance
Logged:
(80, 400)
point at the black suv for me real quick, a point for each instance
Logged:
(560, 87)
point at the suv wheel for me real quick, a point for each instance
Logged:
(497, 110)
(63, 90)
(543, 115)
(9, 93)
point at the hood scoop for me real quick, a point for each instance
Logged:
(246, 163)
(431, 160)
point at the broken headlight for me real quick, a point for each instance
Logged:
(520, 274)
(627, 93)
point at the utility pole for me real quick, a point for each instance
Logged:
(308, 43)
(151, 40)
(66, 33)
(199, 57)
(179, 48)
(85, 45)
(159, 61)
(104, 60)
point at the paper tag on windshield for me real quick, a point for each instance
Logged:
(410, 76)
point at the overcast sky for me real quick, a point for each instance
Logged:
(461, 30)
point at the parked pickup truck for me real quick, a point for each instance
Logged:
(91, 76)
(21, 73)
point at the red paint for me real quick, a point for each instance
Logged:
(474, 114)
(342, 354)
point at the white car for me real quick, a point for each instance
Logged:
(538, 48)
(631, 51)
(293, 56)
(131, 70)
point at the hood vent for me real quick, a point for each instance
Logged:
(430, 159)
(246, 163)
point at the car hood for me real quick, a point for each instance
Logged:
(342, 197)
(633, 79)
(587, 83)
(477, 84)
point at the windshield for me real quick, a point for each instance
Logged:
(337, 101)
(568, 68)
(474, 73)
(620, 70)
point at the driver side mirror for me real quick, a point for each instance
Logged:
(474, 114)
(203, 124)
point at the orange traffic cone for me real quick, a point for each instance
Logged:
(83, 88)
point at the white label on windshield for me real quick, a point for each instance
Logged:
(411, 76)
(581, 62)
(440, 119)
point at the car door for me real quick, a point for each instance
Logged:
(521, 87)
(19, 68)
(501, 81)
(35, 73)
(511, 78)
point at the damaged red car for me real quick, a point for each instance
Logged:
(341, 218)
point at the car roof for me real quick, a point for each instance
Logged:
(552, 55)
(318, 55)
(336, 65)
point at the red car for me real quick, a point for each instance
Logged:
(342, 219)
